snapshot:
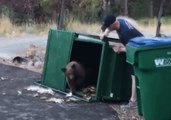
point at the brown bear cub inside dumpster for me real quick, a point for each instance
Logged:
(76, 77)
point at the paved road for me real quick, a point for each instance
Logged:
(11, 47)
(17, 103)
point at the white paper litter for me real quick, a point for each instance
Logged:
(56, 100)
(72, 99)
(40, 90)
(19, 92)
(3, 78)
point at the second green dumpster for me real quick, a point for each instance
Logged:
(151, 58)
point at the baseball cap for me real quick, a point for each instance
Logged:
(108, 20)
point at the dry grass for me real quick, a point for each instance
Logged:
(146, 26)
(79, 27)
(7, 29)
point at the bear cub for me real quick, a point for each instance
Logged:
(75, 76)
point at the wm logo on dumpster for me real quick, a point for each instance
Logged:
(162, 62)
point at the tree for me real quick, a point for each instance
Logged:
(151, 12)
(61, 16)
(126, 7)
(159, 18)
(105, 8)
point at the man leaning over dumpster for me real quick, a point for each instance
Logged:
(125, 32)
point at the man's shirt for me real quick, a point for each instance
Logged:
(127, 31)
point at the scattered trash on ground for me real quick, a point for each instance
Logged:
(3, 78)
(72, 99)
(33, 59)
(40, 90)
(35, 95)
(48, 95)
(19, 92)
(3, 93)
(44, 93)
(55, 100)
(126, 114)
(89, 92)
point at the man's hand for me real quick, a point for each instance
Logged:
(118, 47)
(102, 35)
(105, 33)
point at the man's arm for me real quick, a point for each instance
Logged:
(105, 33)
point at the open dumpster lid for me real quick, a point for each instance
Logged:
(149, 42)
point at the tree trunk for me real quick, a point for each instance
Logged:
(105, 7)
(126, 7)
(61, 16)
(159, 18)
(151, 9)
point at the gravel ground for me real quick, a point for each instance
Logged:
(126, 114)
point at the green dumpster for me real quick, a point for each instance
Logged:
(151, 58)
(110, 78)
